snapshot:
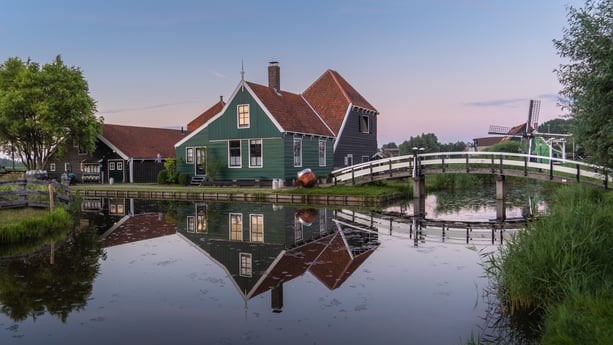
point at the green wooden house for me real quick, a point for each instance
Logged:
(262, 133)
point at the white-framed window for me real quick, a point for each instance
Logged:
(322, 153)
(364, 124)
(67, 167)
(297, 152)
(242, 114)
(349, 159)
(201, 218)
(255, 153)
(119, 165)
(111, 165)
(189, 155)
(234, 154)
(256, 224)
(191, 224)
(323, 223)
(298, 231)
(52, 166)
(245, 264)
(365, 159)
(236, 226)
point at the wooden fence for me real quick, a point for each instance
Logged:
(33, 193)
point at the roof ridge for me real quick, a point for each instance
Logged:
(333, 74)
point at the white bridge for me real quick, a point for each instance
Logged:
(493, 163)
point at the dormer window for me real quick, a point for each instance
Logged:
(243, 115)
(364, 124)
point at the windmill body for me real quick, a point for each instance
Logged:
(534, 143)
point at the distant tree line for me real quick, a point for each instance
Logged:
(429, 142)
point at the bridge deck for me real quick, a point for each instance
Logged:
(493, 163)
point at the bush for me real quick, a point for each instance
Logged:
(163, 177)
(184, 179)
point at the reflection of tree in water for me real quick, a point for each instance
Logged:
(34, 286)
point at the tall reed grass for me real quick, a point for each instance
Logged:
(566, 252)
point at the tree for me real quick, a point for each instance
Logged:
(557, 126)
(45, 109)
(587, 79)
(427, 141)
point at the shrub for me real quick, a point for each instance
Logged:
(184, 179)
(163, 177)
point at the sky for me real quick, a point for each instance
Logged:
(448, 67)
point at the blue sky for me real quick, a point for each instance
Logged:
(449, 67)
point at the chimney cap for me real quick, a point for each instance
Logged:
(274, 62)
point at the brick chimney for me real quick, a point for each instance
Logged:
(274, 75)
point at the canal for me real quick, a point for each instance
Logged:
(160, 272)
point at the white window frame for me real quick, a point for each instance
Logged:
(240, 156)
(245, 263)
(297, 158)
(322, 152)
(364, 124)
(119, 166)
(66, 166)
(111, 165)
(191, 224)
(365, 159)
(243, 121)
(256, 227)
(260, 163)
(239, 226)
(189, 155)
(52, 166)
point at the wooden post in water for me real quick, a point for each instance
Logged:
(500, 191)
(51, 206)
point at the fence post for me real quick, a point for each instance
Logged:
(526, 166)
(551, 169)
(578, 172)
(51, 206)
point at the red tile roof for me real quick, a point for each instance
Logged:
(290, 110)
(138, 228)
(330, 95)
(142, 142)
(205, 116)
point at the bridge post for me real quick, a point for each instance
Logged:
(419, 186)
(501, 214)
(500, 187)
(501, 211)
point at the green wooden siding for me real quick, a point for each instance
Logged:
(277, 147)
(226, 126)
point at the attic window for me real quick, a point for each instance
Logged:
(364, 124)
(243, 115)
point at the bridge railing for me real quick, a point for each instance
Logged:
(497, 163)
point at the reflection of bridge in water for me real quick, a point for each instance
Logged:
(421, 229)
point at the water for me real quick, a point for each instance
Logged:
(222, 273)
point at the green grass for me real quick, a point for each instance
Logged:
(30, 225)
(563, 255)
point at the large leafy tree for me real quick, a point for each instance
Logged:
(43, 109)
(587, 78)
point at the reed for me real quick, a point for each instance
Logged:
(563, 253)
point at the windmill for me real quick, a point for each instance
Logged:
(525, 131)
(535, 142)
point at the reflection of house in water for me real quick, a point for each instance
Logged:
(138, 227)
(125, 220)
(263, 246)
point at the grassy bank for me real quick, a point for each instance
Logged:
(25, 230)
(561, 268)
